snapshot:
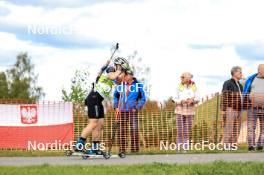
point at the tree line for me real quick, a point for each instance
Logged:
(19, 81)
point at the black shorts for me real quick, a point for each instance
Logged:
(95, 107)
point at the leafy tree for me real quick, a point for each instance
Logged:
(22, 80)
(4, 93)
(80, 86)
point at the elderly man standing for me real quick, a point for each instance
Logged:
(254, 102)
(186, 98)
(231, 105)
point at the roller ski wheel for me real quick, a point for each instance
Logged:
(68, 152)
(99, 152)
(84, 157)
(106, 155)
(122, 155)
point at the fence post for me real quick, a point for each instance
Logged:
(216, 118)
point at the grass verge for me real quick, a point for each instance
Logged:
(216, 168)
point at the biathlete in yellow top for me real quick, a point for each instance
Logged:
(107, 77)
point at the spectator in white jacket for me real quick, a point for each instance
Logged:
(186, 99)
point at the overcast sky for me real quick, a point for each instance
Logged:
(205, 37)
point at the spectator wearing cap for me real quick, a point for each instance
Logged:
(186, 99)
(231, 107)
(129, 98)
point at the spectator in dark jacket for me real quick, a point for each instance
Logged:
(231, 105)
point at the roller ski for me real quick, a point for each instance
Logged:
(79, 150)
(85, 154)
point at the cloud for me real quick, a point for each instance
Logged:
(6, 58)
(251, 51)
(4, 11)
(55, 66)
(215, 77)
(55, 36)
(61, 41)
(202, 37)
(215, 80)
(65, 3)
(198, 46)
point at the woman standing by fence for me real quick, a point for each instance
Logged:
(186, 99)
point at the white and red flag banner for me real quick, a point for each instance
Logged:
(24, 124)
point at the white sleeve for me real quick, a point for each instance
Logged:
(177, 98)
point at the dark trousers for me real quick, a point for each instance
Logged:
(253, 115)
(132, 119)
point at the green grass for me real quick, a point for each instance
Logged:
(215, 168)
(21, 153)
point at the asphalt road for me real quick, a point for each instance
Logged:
(132, 159)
